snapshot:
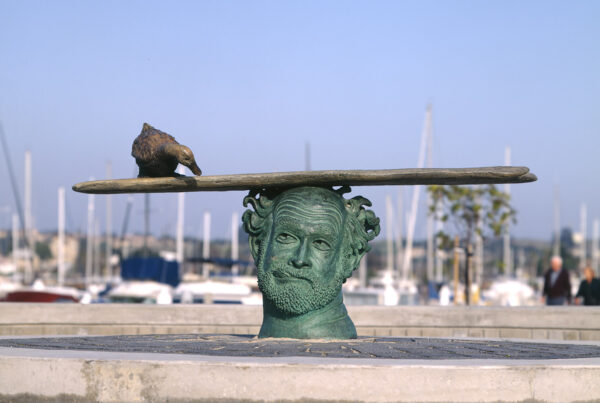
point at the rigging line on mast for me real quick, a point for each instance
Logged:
(15, 189)
(12, 178)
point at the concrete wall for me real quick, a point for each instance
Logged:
(556, 323)
(39, 376)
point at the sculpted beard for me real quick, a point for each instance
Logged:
(296, 297)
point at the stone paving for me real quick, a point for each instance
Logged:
(363, 347)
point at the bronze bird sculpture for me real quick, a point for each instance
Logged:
(157, 154)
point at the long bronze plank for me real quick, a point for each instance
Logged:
(411, 176)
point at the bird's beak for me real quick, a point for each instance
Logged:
(195, 169)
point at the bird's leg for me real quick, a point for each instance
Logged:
(143, 173)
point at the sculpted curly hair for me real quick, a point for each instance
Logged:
(362, 225)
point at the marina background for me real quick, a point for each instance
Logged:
(261, 86)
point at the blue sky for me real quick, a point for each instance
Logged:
(246, 83)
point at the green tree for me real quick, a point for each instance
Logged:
(469, 211)
(42, 249)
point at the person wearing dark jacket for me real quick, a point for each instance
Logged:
(589, 289)
(557, 285)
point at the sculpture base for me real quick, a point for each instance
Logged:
(188, 368)
(395, 348)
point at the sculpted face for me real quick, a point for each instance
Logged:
(299, 272)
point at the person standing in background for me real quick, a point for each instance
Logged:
(557, 285)
(589, 289)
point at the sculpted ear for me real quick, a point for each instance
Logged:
(362, 227)
(257, 243)
(353, 252)
(352, 262)
(255, 247)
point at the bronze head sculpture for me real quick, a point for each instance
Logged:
(306, 242)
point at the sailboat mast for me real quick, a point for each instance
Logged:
(124, 242)
(146, 223)
(583, 230)
(307, 166)
(430, 218)
(235, 242)
(206, 244)
(96, 269)
(109, 234)
(28, 195)
(399, 223)
(28, 218)
(412, 220)
(180, 220)
(506, 255)
(61, 237)
(556, 246)
(89, 239)
(595, 235)
(16, 195)
(15, 239)
(362, 272)
(389, 219)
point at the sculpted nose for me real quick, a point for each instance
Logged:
(300, 258)
(299, 263)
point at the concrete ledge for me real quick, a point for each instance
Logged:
(553, 323)
(81, 376)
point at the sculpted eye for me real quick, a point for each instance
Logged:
(321, 245)
(285, 238)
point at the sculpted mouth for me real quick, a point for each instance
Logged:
(280, 274)
(285, 275)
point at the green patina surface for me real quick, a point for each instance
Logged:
(306, 242)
